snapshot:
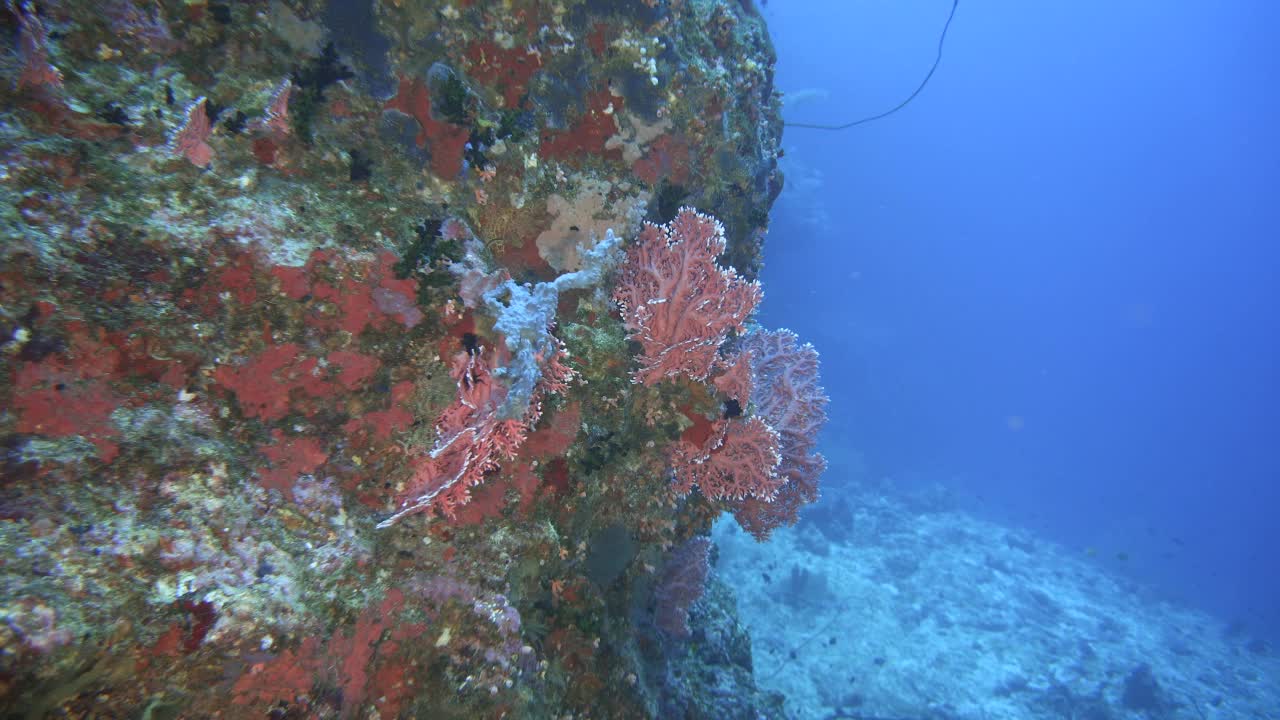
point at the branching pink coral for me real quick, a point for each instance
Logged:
(676, 302)
(471, 438)
(192, 139)
(734, 380)
(470, 442)
(788, 397)
(275, 120)
(739, 460)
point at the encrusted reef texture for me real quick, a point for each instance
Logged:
(359, 360)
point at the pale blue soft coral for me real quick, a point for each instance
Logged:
(526, 313)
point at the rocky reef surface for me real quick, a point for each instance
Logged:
(349, 365)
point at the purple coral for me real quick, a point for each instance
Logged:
(684, 579)
(33, 47)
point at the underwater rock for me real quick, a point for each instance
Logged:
(234, 341)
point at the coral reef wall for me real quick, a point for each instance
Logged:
(315, 397)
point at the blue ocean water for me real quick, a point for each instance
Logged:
(1050, 283)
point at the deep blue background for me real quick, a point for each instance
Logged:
(1052, 282)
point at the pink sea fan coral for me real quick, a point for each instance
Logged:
(470, 442)
(191, 140)
(739, 460)
(471, 437)
(735, 379)
(786, 395)
(275, 119)
(676, 302)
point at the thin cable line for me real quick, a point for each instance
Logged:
(941, 40)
